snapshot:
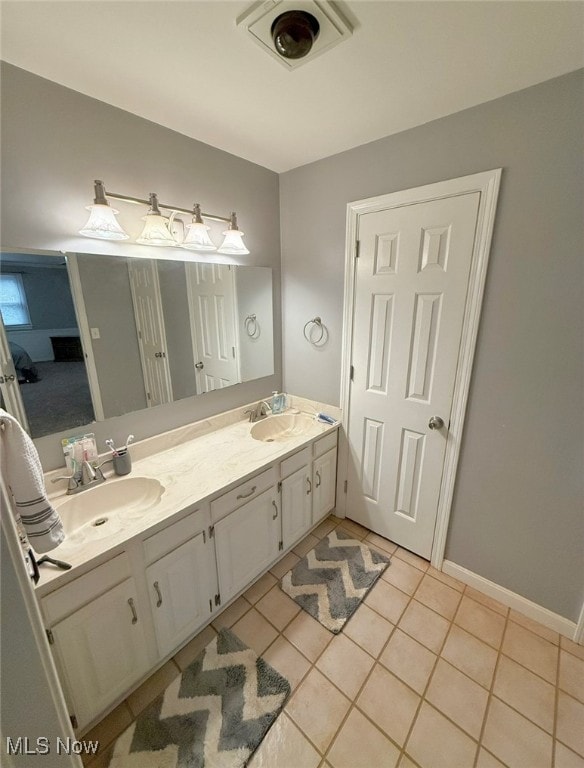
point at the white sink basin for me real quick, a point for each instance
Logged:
(100, 511)
(279, 429)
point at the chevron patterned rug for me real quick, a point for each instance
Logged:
(214, 715)
(333, 578)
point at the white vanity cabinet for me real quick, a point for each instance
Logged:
(247, 541)
(324, 480)
(181, 579)
(101, 647)
(296, 493)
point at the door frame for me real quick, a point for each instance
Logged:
(487, 184)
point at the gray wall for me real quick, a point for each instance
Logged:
(55, 142)
(48, 295)
(517, 514)
(254, 297)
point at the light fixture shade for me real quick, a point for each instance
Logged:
(197, 238)
(156, 231)
(102, 223)
(233, 245)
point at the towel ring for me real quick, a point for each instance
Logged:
(308, 331)
(252, 327)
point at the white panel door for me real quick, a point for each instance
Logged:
(324, 481)
(213, 310)
(410, 292)
(296, 506)
(246, 542)
(180, 588)
(102, 650)
(147, 301)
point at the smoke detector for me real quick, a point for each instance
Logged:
(294, 31)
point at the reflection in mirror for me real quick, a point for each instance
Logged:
(151, 332)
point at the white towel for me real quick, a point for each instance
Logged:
(22, 471)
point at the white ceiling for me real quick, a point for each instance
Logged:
(187, 66)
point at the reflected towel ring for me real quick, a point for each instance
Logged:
(252, 327)
(309, 327)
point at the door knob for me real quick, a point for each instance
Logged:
(199, 366)
(436, 422)
(6, 379)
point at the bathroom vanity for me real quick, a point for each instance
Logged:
(210, 507)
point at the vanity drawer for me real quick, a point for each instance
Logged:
(86, 588)
(294, 462)
(243, 493)
(168, 539)
(325, 444)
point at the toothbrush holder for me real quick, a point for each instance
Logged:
(122, 463)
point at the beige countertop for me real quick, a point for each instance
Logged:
(192, 464)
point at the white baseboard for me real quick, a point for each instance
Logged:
(528, 608)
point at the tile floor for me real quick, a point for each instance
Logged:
(428, 672)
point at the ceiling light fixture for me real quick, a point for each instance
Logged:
(158, 229)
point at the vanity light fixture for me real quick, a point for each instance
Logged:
(158, 228)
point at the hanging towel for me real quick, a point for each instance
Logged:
(22, 471)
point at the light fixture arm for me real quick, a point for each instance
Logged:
(103, 194)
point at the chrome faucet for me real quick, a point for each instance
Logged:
(260, 411)
(83, 478)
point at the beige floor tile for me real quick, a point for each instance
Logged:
(470, 655)
(368, 629)
(318, 709)
(446, 579)
(378, 541)
(439, 597)
(486, 760)
(402, 576)
(565, 758)
(192, 649)
(570, 725)
(304, 546)
(409, 660)
(424, 625)
(535, 626)
(387, 601)
(458, 697)
(260, 588)
(287, 660)
(345, 664)
(111, 726)
(572, 675)
(526, 692)
(149, 690)
(412, 559)
(284, 740)
(436, 743)
(360, 744)
(406, 762)
(231, 614)
(480, 621)
(310, 637)
(354, 528)
(255, 631)
(284, 565)
(515, 740)
(487, 601)
(277, 607)
(324, 528)
(572, 647)
(389, 703)
(532, 651)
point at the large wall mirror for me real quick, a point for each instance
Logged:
(88, 337)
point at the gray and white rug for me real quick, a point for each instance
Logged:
(214, 715)
(333, 578)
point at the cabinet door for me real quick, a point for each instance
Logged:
(246, 542)
(324, 477)
(102, 650)
(180, 588)
(296, 506)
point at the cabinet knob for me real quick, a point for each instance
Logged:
(318, 479)
(275, 515)
(309, 491)
(133, 609)
(159, 593)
